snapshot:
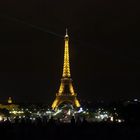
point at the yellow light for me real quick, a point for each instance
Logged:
(66, 65)
(66, 81)
(54, 105)
(61, 89)
(77, 103)
(1, 118)
(71, 89)
(9, 100)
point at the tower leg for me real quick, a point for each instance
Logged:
(55, 104)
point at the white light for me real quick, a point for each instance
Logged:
(112, 119)
(48, 112)
(34, 119)
(119, 121)
(58, 111)
(80, 110)
(5, 119)
(68, 112)
(102, 117)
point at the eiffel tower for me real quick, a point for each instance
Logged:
(66, 93)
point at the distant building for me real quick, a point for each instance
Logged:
(10, 100)
(9, 105)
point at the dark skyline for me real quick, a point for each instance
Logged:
(104, 49)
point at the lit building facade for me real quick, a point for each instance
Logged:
(9, 105)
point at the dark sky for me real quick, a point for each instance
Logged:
(104, 48)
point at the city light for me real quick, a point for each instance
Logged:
(1, 118)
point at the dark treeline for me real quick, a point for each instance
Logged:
(54, 129)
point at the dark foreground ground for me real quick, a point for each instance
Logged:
(72, 131)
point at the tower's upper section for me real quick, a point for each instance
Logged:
(66, 36)
(66, 65)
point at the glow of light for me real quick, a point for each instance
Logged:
(1, 118)
(68, 112)
(5, 119)
(54, 105)
(48, 112)
(112, 119)
(16, 112)
(61, 89)
(119, 120)
(135, 100)
(66, 66)
(80, 110)
(65, 75)
(71, 89)
(58, 111)
(77, 103)
(9, 100)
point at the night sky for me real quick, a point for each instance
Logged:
(104, 48)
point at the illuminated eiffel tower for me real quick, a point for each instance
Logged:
(66, 93)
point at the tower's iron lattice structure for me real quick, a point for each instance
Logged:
(66, 93)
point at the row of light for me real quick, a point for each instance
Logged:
(99, 115)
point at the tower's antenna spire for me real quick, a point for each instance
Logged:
(66, 64)
(66, 32)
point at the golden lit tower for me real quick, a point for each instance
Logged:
(66, 93)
